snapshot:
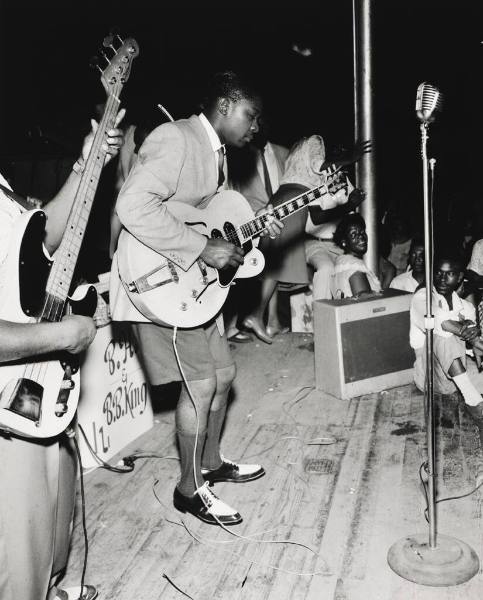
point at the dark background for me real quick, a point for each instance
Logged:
(49, 92)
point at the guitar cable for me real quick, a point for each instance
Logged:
(70, 433)
(126, 463)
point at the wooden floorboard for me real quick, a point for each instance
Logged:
(343, 504)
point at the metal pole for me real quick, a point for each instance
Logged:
(429, 326)
(364, 121)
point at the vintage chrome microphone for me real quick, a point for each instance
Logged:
(441, 560)
(428, 101)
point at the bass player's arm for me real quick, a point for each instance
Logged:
(24, 340)
(58, 209)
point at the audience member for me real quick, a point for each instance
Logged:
(352, 278)
(320, 250)
(454, 328)
(400, 236)
(414, 276)
(255, 172)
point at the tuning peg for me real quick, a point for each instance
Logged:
(94, 63)
(114, 32)
(108, 43)
(104, 55)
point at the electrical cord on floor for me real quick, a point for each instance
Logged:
(127, 461)
(71, 434)
(424, 466)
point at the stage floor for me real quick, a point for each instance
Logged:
(320, 523)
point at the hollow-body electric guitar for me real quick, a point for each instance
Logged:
(38, 397)
(166, 294)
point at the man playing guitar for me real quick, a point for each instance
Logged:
(183, 161)
(38, 477)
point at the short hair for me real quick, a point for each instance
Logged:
(347, 221)
(417, 240)
(228, 84)
(453, 256)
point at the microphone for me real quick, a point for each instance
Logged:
(428, 100)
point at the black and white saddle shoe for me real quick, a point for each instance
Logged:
(230, 471)
(206, 506)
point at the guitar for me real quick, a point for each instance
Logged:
(167, 295)
(38, 397)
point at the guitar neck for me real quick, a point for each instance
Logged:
(62, 271)
(258, 225)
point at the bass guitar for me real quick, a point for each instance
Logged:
(38, 397)
(166, 294)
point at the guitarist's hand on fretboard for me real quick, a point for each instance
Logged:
(114, 138)
(219, 253)
(274, 226)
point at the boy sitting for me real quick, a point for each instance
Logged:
(454, 327)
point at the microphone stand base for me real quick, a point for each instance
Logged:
(450, 562)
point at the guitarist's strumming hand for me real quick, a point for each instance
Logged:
(77, 333)
(274, 226)
(219, 253)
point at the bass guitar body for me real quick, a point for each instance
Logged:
(166, 294)
(38, 398)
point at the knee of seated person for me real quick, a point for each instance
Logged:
(225, 377)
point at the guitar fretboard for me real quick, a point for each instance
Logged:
(62, 271)
(257, 226)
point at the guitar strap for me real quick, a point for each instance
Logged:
(24, 202)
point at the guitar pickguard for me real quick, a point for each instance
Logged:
(33, 266)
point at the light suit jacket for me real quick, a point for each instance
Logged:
(175, 162)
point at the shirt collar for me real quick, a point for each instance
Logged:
(212, 135)
(456, 301)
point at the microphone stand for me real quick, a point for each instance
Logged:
(436, 560)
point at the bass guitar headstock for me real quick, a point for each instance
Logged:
(119, 55)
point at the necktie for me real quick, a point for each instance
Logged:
(266, 175)
(221, 161)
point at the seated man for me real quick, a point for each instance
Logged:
(414, 276)
(454, 327)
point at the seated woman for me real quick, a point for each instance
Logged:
(352, 278)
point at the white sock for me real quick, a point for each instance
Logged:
(471, 395)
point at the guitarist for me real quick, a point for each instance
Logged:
(183, 161)
(38, 478)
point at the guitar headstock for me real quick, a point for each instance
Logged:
(336, 180)
(115, 74)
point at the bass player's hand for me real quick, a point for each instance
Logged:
(77, 332)
(219, 253)
(113, 141)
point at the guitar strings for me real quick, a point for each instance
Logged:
(53, 305)
(233, 236)
(53, 308)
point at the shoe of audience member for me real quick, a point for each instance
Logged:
(206, 506)
(230, 471)
(240, 337)
(254, 324)
(73, 593)
(276, 330)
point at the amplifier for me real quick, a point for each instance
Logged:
(362, 345)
